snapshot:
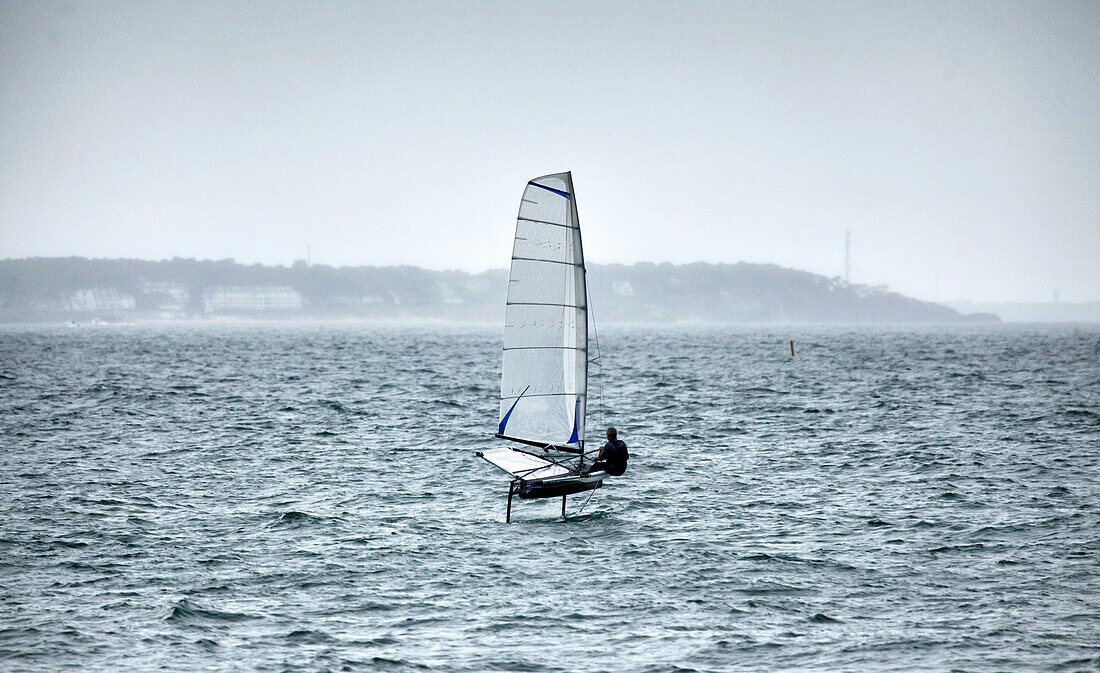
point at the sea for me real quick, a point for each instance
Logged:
(306, 497)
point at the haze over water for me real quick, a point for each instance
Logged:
(307, 498)
(957, 141)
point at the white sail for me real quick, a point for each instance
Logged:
(523, 465)
(544, 375)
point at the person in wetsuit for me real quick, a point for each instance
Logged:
(613, 456)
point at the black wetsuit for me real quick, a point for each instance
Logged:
(612, 458)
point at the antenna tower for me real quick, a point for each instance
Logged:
(848, 256)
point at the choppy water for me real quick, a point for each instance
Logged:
(306, 498)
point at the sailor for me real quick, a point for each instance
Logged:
(613, 456)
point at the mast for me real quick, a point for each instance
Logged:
(583, 293)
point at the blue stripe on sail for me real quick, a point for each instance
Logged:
(504, 421)
(576, 417)
(550, 189)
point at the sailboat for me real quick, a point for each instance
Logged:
(544, 373)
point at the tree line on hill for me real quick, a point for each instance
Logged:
(74, 288)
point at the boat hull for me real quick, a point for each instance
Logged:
(557, 487)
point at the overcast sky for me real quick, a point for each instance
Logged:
(959, 142)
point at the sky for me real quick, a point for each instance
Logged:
(959, 143)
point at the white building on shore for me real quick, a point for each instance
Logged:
(169, 298)
(100, 299)
(251, 299)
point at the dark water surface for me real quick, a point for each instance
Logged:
(307, 498)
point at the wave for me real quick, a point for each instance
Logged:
(296, 519)
(184, 611)
(309, 637)
(820, 618)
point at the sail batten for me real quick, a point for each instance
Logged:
(541, 259)
(542, 303)
(516, 397)
(544, 372)
(555, 224)
(551, 189)
(535, 348)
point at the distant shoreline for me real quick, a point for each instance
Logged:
(62, 290)
(491, 326)
(1035, 312)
